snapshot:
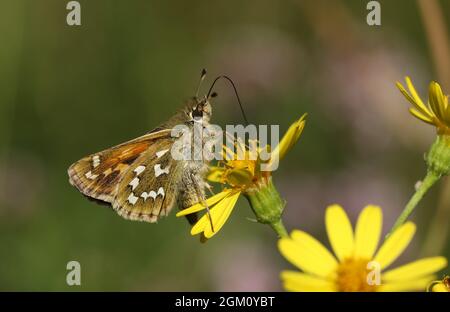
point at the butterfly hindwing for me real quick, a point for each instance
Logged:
(149, 188)
(98, 175)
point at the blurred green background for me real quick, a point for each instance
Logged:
(68, 91)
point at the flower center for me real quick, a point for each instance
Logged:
(352, 276)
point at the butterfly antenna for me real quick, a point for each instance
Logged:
(202, 77)
(235, 92)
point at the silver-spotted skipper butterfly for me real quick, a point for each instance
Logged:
(139, 178)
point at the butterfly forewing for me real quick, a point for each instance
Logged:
(98, 175)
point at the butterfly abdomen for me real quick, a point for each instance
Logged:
(192, 186)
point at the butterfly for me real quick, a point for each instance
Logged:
(140, 179)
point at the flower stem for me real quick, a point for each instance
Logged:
(279, 228)
(428, 182)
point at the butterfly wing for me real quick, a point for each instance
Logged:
(149, 189)
(98, 175)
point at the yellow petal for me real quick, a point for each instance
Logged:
(446, 112)
(340, 232)
(395, 244)
(417, 101)
(422, 109)
(415, 269)
(368, 231)
(439, 287)
(308, 254)
(405, 93)
(289, 139)
(408, 285)
(420, 116)
(439, 102)
(219, 214)
(210, 202)
(436, 99)
(296, 281)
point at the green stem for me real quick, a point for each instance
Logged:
(428, 182)
(279, 228)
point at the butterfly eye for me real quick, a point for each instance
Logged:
(197, 112)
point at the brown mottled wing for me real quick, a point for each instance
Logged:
(149, 189)
(98, 175)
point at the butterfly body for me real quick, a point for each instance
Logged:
(140, 178)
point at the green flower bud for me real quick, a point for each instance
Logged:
(267, 205)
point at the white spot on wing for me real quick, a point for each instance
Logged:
(153, 194)
(146, 195)
(134, 183)
(132, 199)
(95, 161)
(159, 171)
(139, 170)
(90, 176)
(161, 153)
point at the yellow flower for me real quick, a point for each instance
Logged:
(437, 110)
(440, 286)
(357, 264)
(244, 176)
(437, 113)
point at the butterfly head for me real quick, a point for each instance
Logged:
(198, 110)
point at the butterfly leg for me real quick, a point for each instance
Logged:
(202, 200)
(209, 188)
